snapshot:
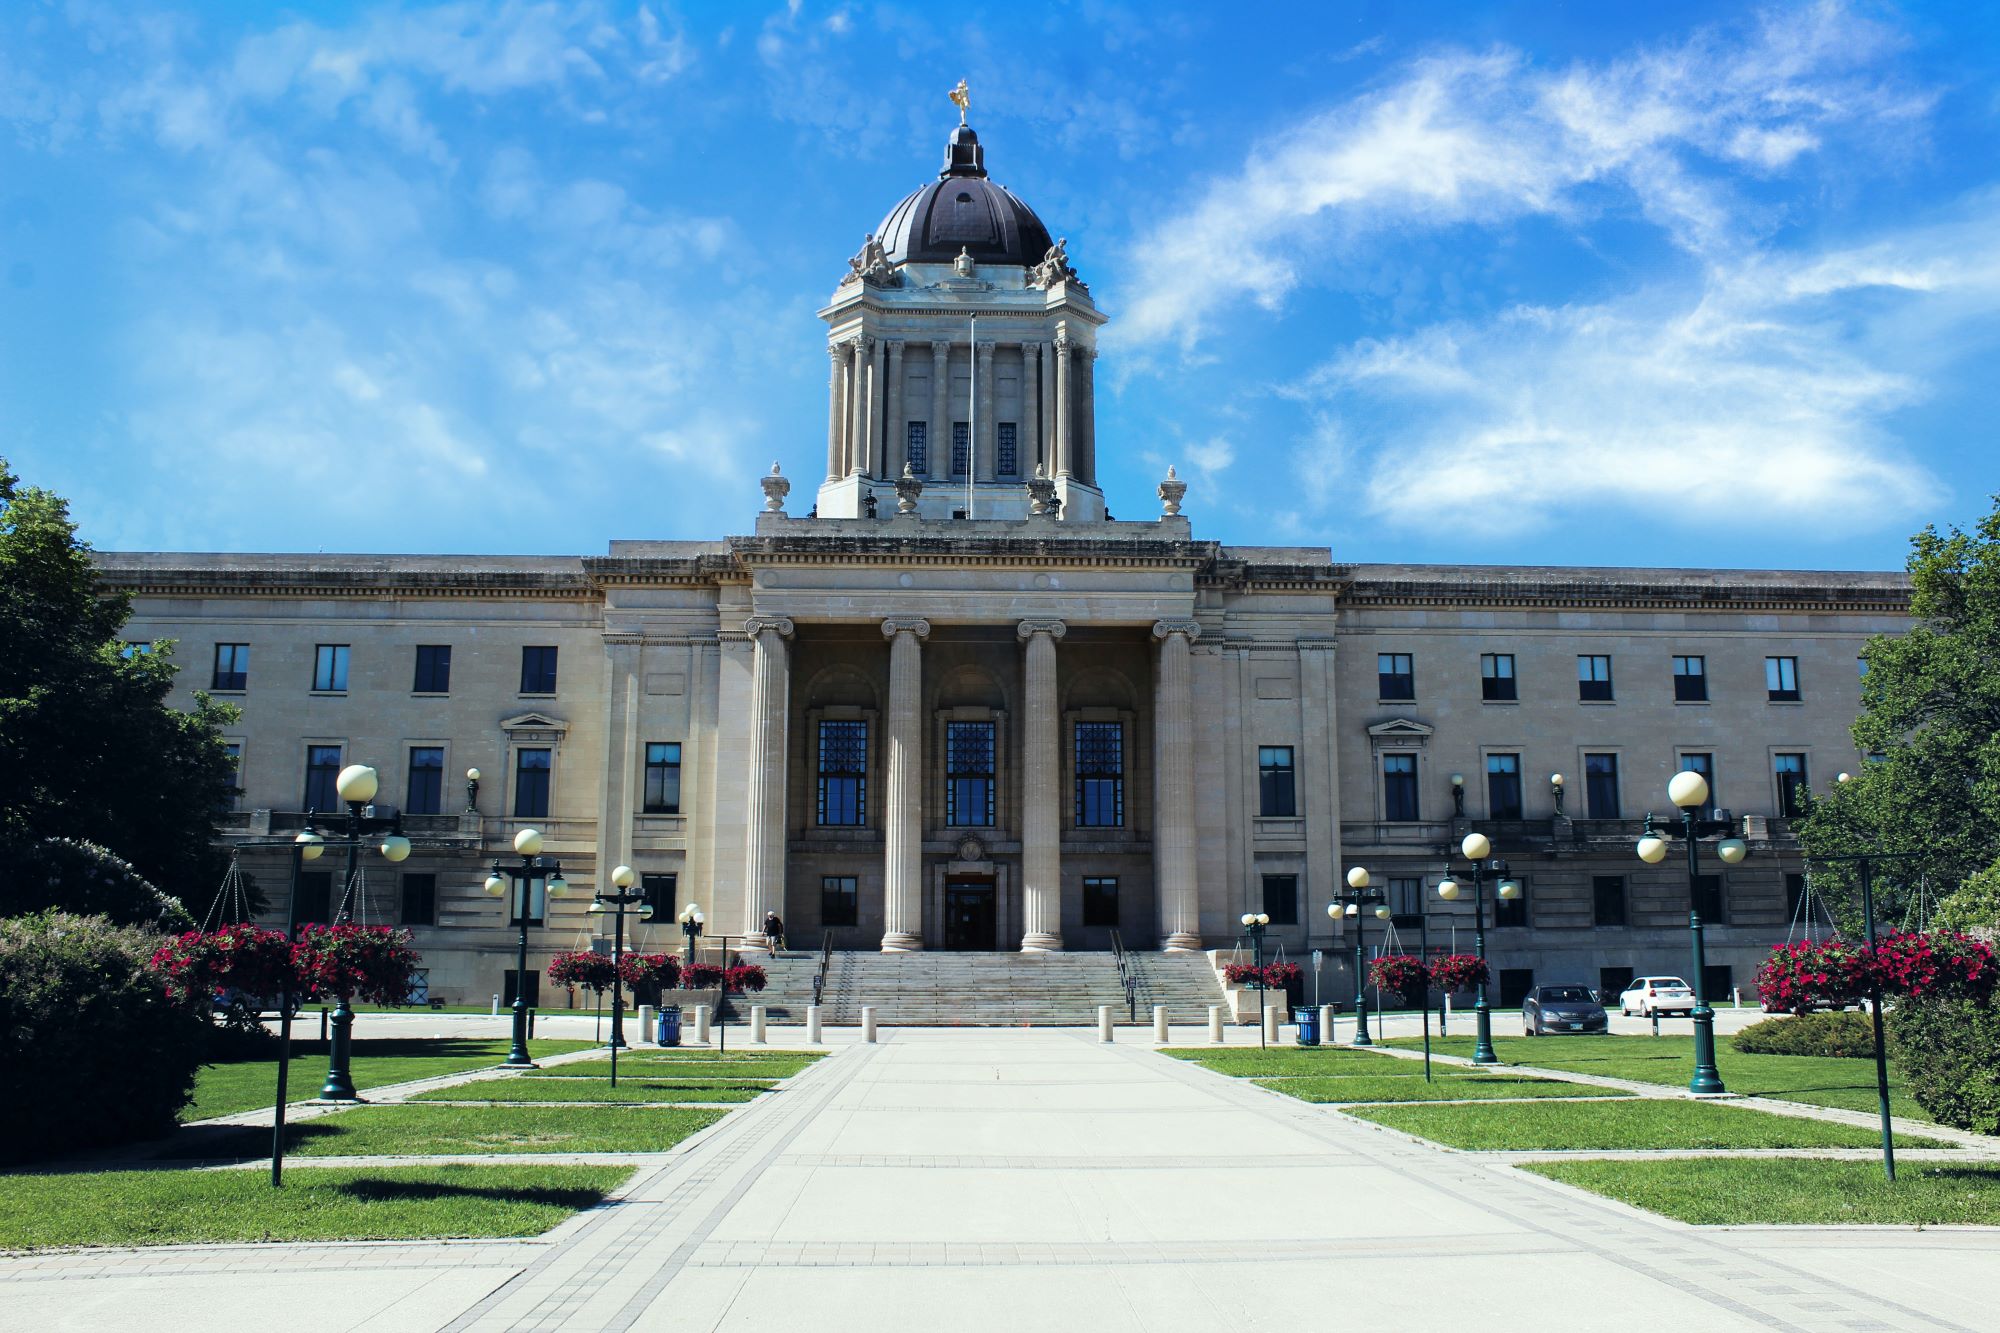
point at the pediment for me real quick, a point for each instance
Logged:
(1399, 730)
(533, 722)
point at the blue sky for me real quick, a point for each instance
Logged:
(1583, 284)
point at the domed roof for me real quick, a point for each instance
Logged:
(962, 210)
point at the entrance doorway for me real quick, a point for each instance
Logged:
(969, 923)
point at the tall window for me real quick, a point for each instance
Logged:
(1281, 899)
(1593, 677)
(1503, 786)
(235, 751)
(839, 901)
(661, 892)
(1791, 773)
(330, 667)
(961, 448)
(1406, 900)
(420, 896)
(1277, 786)
(1512, 911)
(1100, 775)
(1496, 677)
(1007, 456)
(1708, 899)
(322, 770)
(315, 904)
(663, 778)
(1600, 779)
(1781, 679)
(843, 773)
(1100, 900)
(1607, 899)
(433, 669)
(1703, 764)
(426, 796)
(531, 783)
(1399, 788)
(968, 773)
(1690, 680)
(538, 670)
(232, 667)
(1395, 676)
(917, 448)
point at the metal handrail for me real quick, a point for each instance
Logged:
(825, 962)
(1128, 975)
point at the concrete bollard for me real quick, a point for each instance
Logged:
(1215, 1024)
(1160, 1024)
(1272, 1013)
(1104, 1022)
(868, 1022)
(649, 1030)
(757, 1022)
(701, 1024)
(496, 1008)
(1326, 1025)
(812, 1024)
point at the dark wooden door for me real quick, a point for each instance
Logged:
(968, 916)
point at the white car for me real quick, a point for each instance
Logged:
(1649, 995)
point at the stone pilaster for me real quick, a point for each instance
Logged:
(1031, 408)
(871, 448)
(857, 406)
(1084, 464)
(764, 836)
(896, 432)
(1045, 357)
(988, 438)
(903, 897)
(940, 427)
(1175, 867)
(1065, 411)
(1041, 790)
(836, 411)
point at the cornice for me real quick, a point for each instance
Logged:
(975, 552)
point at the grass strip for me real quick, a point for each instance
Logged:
(317, 1203)
(640, 1090)
(1361, 1089)
(645, 1068)
(407, 1130)
(249, 1084)
(1327, 1060)
(1712, 1191)
(1649, 1123)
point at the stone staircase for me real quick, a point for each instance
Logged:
(986, 989)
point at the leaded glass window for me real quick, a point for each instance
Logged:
(1007, 458)
(961, 448)
(1100, 774)
(843, 773)
(968, 767)
(917, 448)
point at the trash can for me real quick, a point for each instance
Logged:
(670, 1025)
(1308, 1021)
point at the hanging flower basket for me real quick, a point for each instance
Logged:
(200, 964)
(1242, 974)
(649, 973)
(592, 971)
(702, 976)
(1800, 977)
(1934, 963)
(744, 977)
(1277, 976)
(1400, 973)
(1271, 976)
(1454, 972)
(372, 963)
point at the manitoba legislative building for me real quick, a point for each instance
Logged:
(938, 703)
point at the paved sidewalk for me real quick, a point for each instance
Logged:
(1013, 1180)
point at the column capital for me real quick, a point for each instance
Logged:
(917, 626)
(895, 349)
(1191, 629)
(836, 351)
(756, 625)
(986, 350)
(940, 347)
(1028, 629)
(866, 342)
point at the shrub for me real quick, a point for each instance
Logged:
(70, 875)
(1975, 904)
(94, 1051)
(1948, 1049)
(1846, 1034)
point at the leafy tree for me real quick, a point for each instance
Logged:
(1931, 712)
(89, 749)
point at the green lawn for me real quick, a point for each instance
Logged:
(600, 1090)
(1816, 1080)
(644, 1066)
(248, 1084)
(1622, 1124)
(409, 1130)
(1367, 1089)
(1714, 1191)
(319, 1203)
(1302, 1060)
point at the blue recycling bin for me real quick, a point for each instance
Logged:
(670, 1025)
(1308, 1021)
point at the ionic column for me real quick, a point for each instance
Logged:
(988, 438)
(1041, 791)
(1085, 465)
(871, 449)
(1065, 413)
(897, 433)
(903, 898)
(836, 399)
(764, 836)
(857, 407)
(1031, 408)
(1174, 867)
(940, 427)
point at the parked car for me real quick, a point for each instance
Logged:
(1562, 1009)
(1649, 995)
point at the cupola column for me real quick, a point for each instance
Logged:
(871, 437)
(836, 397)
(1041, 784)
(1085, 464)
(857, 407)
(1174, 850)
(903, 811)
(1031, 408)
(1065, 411)
(764, 834)
(940, 427)
(989, 448)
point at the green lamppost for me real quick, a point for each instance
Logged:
(1689, 791)
(356, 786)
(534, 866)
(1253, 926)
(622, 879)
(1355, 896)
(1477, 847)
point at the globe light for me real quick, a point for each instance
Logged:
(1687, 790)
(1732, 850)
(1458, 779)
(1382, 913)
(528, 842)
(395, 848)
(1510, 888)
(1249, 920)
(1844, 777)
(622, 876)
(1357, 878)
(557, 885)
(310, 846)
(1263, 919)
(1652, 849)
(690, 913)
(1333, 910)
(1448, 889)
(472, 775)
(646, 912)
(596, 905)
(1555, 779)
(357, 784)
(495, 885)
(1477, 847)
(1352, 910)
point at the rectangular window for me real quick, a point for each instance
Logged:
(1781, 679)
(1406, 900)
(1007, 456)
(1717, 981)
(1515, 983)
(1690, 680)
(232, 667)
(330, 668)
(1395, 676)
(839, 901)
(538, 670)
(315, 904)
(531, 783)
(420, 895)
(234, 749)
(1281, 899)
(961, 448)
(1496, 677)
(968, 774)
(661, 892)
(1708, 899)
(433, 669)
(1511, 911)
(917, 448)
(1100, 900)
(1277, 786)
(663, 778)
(1600, 778)
(322, 769)
(1607, 898)
(134, 649)
(1100, 775)
(1503, 786)
(1791, 773)
(1703, 764)
(843, 774)
(1399, 788)
(1593, 678)
(512, 979)
(426, 796)
(1611, 983)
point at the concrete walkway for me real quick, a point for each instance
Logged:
(1014, 1180)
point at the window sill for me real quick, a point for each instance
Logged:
(217, 689)
(1506, 702)
(430, 694)
(1412, 699)
(329, 694)
(672, 814)
(1598, 703)
(550, 694)
(1691, 703)
(1787, 703)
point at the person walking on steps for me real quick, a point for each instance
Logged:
(774, 930)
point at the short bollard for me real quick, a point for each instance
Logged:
(812, 1024)
(757, 1022)
(1160, 1024)
(1272, 1013)
(701, 1024)
(646, 1028)
(1104, 1022)
(1215, 1023)
(1326, 1024)
(868, 1022)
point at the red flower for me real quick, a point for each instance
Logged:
(374, 963)
(592, 971)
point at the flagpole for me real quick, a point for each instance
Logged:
(972, 425)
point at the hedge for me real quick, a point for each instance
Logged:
(1948, 1050)
(1846, 1034)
